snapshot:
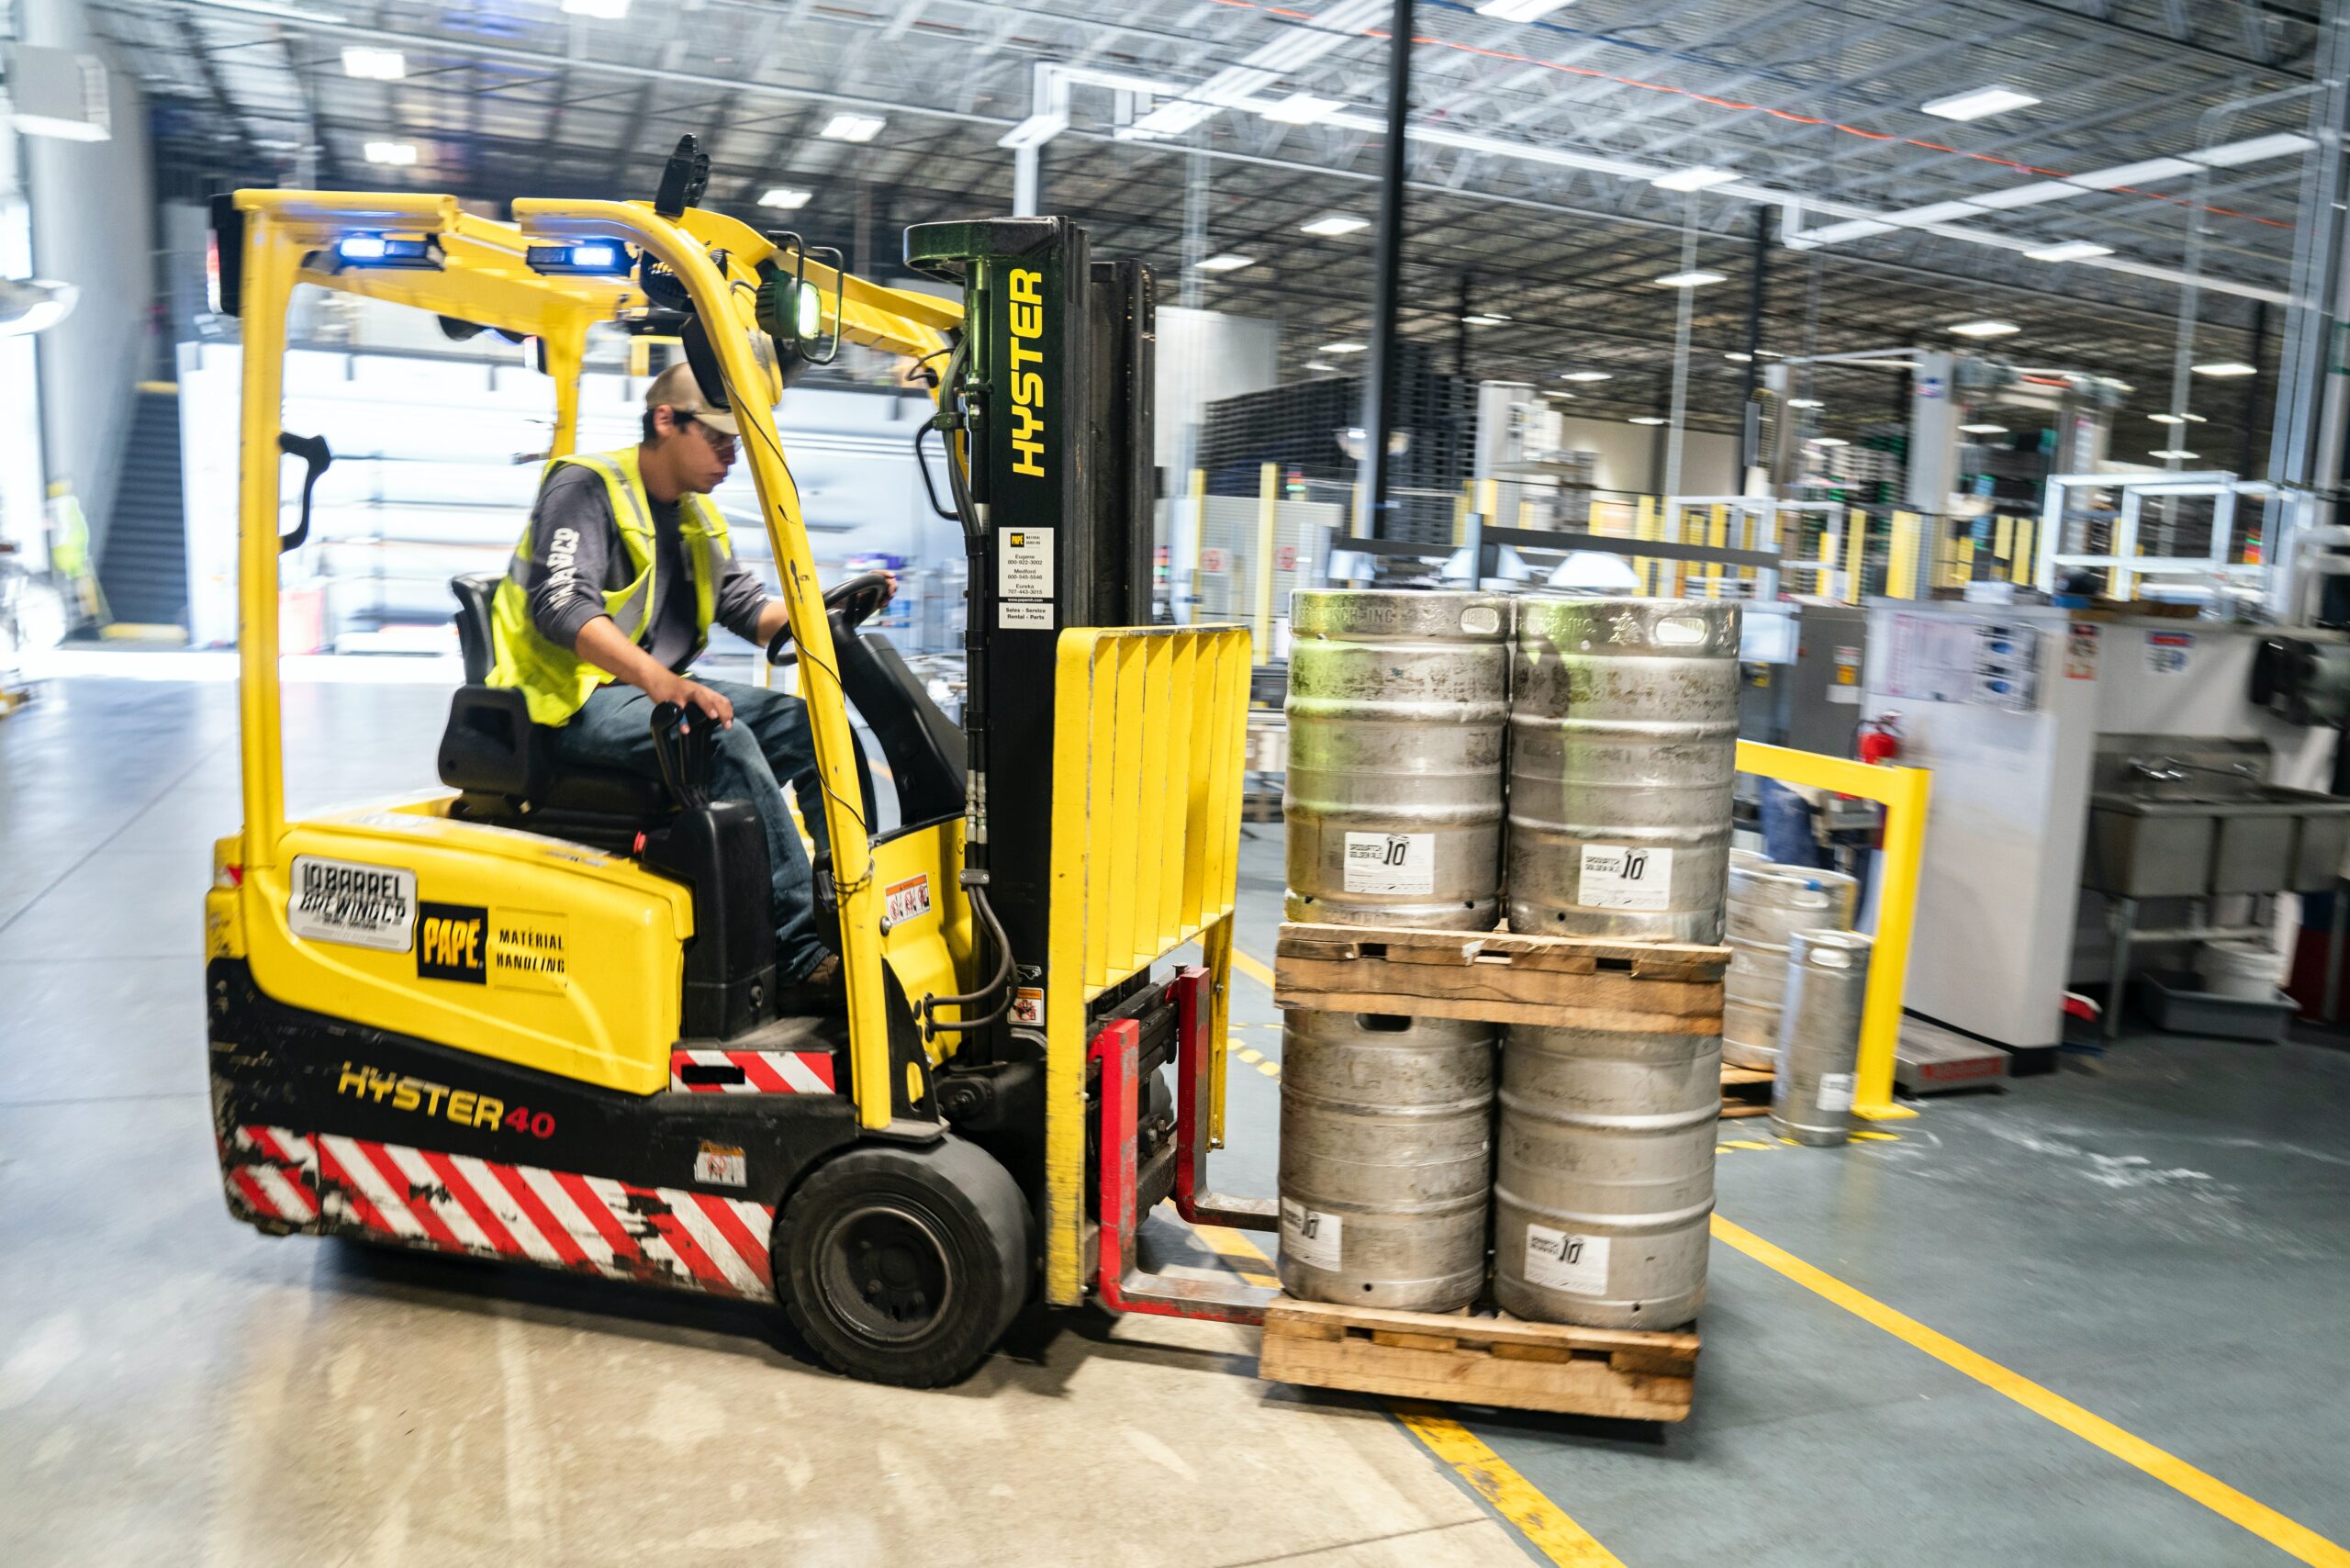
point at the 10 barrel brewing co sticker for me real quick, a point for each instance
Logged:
(1617, 876)
(1391, 863)
(356, 905)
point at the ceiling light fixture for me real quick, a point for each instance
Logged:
(1736, 358)
(1520, 10)
(2227, 367)
(1335, 225)
(1300, 108)
(1698, 179)
(602, 10)
(2178, 418)
(1981, 101)
(1483, 319)
(1340, 348)
(786, 199)
(1804, 403)
(1226, 262)
(398, 154)
(1984, 329)
(1985, 430)
(1648, 418)
(2173, 454)
(374, 64)
(852, 127)
(1587, 376)
(2070, 250)
(1317, 365)
(1697, 279)
(1830, 441)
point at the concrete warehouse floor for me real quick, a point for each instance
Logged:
(2160, 1236)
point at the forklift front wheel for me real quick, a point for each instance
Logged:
(906, 1263)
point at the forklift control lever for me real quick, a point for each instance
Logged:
(684, 745)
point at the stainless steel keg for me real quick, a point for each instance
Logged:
(1386, 1160)
(1605, 1175)
(1398, 704)
(1767, 905)
(1623, 749)
(1819, 1036)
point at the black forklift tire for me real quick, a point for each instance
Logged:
(905, 1263)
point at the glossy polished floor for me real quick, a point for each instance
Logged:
(2096, 1319)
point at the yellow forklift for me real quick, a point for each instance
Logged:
(533, 1016)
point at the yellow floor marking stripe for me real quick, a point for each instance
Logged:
(1252, 968)
(1269, 1068)
(2295, 1539)
(1517, 1499)
(1745, 1143)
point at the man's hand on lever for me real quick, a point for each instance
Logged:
(602, 643)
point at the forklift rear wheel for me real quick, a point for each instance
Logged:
(906, 1263)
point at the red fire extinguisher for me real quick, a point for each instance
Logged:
(1880, 739)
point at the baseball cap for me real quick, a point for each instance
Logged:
(676, 387)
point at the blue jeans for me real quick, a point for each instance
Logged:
(769, 742)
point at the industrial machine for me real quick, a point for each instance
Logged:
(533, 1018)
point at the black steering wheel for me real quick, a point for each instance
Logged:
(848, 604)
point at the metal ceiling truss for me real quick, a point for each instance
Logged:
(1529, 182)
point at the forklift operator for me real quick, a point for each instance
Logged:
(609, 597)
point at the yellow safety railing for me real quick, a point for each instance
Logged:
(1148, 727)
(1902, 791)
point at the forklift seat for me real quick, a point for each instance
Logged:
(503, 763)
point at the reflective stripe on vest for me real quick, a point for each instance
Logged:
(555, 681)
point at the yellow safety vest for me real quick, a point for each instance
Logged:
(554, 681)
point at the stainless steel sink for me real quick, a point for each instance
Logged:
(2214, 838)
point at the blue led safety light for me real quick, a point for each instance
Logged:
(385, 251)
(594, 257)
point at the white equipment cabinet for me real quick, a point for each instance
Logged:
(2003, 928)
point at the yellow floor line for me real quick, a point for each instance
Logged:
(2296, 1539)
(1543, 1522)
(1516, 1498)
(1252, 968)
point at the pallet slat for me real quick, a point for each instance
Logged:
(1466, 1358)
(1503, 977)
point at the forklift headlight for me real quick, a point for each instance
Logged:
(385, 251)
(592, 257)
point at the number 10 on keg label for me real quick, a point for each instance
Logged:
(1390, 862)
(1561, 1260)
(1617, 876)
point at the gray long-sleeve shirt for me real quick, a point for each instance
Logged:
(579, 557)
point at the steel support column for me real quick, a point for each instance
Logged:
(1379, 375)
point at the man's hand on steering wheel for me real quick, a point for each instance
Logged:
(851, 603)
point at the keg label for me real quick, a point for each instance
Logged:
(1391, 863)
(1561, 1260)
(1835, 1093)
(1311, 1236)
(1616, 877)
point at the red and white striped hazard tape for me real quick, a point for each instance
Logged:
(457, 1203)
(763, 1072)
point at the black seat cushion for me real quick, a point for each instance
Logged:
(491, 749)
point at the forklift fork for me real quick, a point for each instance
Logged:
(1121, 1286)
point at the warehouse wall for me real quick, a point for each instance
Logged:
(1632, 457)
(93, 221)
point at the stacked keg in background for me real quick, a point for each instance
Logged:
(1768, 904)
(1621, 719)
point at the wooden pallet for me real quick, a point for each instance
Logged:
(1468, 1359)
(1499, 976)
(1746, 1090)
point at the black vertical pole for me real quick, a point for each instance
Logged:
(1750, 420)
(2251, 415)
(1460, 331)
(1379, 376)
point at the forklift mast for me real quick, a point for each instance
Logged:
(1051, 392)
